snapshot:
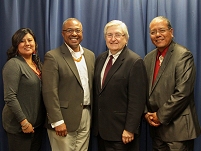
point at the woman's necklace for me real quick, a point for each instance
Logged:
(31, 64)
(34, 67)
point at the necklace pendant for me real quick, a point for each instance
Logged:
(78, 60)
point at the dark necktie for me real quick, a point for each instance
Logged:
(109, 65)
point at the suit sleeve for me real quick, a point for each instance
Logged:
(137, 91)
(183, 92)
(50, 81)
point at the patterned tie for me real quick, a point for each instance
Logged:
(109, 65)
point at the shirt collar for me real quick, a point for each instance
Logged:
(163, 53)
(115, 56)
(73, 52)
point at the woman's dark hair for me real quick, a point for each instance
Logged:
(16, 40)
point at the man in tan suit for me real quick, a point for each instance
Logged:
(67, 90)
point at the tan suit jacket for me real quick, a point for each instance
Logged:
(62, 89)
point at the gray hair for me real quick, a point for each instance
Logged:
(70, 19)
(117, 23)
(164, 19)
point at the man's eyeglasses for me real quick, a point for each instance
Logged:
(70, 31)
(161, 31)
(116, 35)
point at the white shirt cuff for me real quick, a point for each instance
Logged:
(57, 123)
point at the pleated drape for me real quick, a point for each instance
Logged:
(45, 18)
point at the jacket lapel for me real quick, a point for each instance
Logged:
(115, 67)
(100, 67)
(152, 66)
(164, 65)
(69, 60)
(89, 63)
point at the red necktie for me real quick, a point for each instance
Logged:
(109, 65)
(157, 67)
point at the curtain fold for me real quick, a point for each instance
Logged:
(45, 18)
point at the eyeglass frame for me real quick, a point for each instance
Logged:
(160, 31)
(70, 30)
(115, 35)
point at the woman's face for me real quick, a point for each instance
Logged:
(27, 46)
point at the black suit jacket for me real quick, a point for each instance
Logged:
(120, 103)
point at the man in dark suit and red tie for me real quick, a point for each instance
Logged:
(171, 76)
(119, 95)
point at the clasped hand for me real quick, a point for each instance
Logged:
(152, 119)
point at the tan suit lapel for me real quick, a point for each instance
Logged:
(69, 60)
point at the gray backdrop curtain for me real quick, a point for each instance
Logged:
(45, 18)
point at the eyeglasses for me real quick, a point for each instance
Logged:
(116, 35)
(160, 31)
(70, 31)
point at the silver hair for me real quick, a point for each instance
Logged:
(117, 23)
